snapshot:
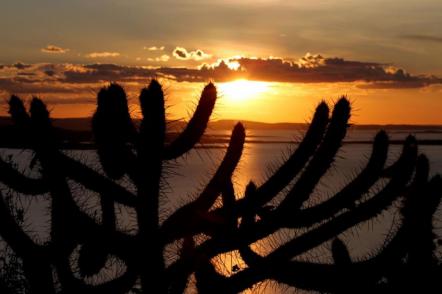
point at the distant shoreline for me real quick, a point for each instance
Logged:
(221, 144)
(75, 133)
(83, 124)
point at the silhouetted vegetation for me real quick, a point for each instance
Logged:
(216, 221)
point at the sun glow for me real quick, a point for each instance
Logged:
(242, 90)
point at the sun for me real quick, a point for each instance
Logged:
(242, 90)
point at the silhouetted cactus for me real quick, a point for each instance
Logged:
(235, 224)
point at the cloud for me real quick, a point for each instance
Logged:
(78, 80)
(426, 38)
(310, 69)
(162, 58)
(99, 73)
(20, 65)
(102, 54)
(182, 54)
(311, 61)
(154, 48)
(318, 69)
(52, 49)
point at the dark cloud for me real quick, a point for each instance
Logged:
(29, 74)
(20, 85)
(426, 38)
(182, 54)
(49, 72)
(395, 85)
(310, 69)
(317, 69)
(78, 79)
(20, 65)
(95, 73)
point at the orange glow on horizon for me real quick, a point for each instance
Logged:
(269, 102)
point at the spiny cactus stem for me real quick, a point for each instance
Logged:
(349, 194)
(322, 159)
(192, 216)
(282, 177)
(19, 182)
(196, 126)
(363, 212)
(149, 168)
(35, 258)
(12, 233)
(96, 182)
(341, 256)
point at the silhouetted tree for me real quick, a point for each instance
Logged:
(205, 227)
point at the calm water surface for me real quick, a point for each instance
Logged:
(186, 178)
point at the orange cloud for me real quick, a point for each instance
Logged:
(154, 48)
(102, 54)
(162, 58)
(52, 49)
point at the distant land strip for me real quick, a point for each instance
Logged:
(83, 124)
(75, 133)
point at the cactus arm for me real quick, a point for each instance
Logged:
(322, 278)
(334, 227)
(93, 255)
(75, 170)
(225, 170)
(11, 232)
(208, 280)
(282, 177)
(96, 182)
(344, 274)
(62, 241)
(191, 216)
(361, 213)
(350, 193)
(186, 252)
(387, 262)
(18, 112)
(120, 285)
(35, 261)
(113, 129)
(417, 215)
(196, 126)
(228, 199)
(147, 178)
(250, 257)
(290, 168)
(340, 253)
(19, 182)
(322, 159)
(68, 222)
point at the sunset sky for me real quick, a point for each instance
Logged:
(272, 60)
